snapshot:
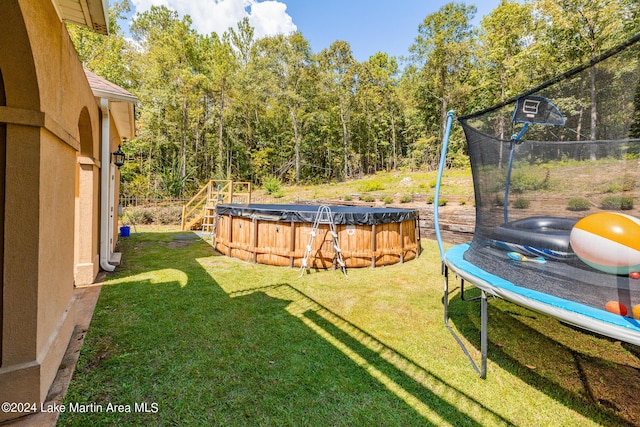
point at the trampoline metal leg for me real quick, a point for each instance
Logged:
(483, 335)
(445, 272)
(482, 370)
(462, 297)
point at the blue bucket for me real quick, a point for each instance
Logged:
(125, 231)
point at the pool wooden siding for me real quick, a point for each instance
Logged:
(283, 243)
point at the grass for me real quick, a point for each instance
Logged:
(217, 341)
(458, 184)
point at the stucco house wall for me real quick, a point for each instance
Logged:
(50, 136)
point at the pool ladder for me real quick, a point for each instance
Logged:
(323, 216)
(209, 219)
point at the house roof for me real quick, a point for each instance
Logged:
(105, 89)
(93, 14)
(121, 103)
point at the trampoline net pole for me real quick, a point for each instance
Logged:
(515, 139)
(436, 197)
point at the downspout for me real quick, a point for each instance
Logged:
(105, 189)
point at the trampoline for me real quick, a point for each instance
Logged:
(570, 149)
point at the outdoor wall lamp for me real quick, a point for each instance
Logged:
(118, 157)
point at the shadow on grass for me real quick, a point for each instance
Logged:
(165, 333)
(172, 347)
(600, 388)
(397, 373)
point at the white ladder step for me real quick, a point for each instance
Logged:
(323, 216)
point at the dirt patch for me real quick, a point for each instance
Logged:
(141, 245)
(614, 387)
(182, 240)
(176, 244)
(104, 349)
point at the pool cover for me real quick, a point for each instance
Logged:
(356, 215)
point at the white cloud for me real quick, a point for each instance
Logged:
(270, 18)
(267, 17)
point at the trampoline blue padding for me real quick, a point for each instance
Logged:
(583, 316)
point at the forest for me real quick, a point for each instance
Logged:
(233, 106)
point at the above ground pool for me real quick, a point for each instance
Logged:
(279, 235)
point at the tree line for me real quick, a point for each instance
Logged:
(231, 105)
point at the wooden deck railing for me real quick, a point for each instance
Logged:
(213, 192)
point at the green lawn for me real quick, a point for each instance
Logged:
(210, 340)
(458, 184)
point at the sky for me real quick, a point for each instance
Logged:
(368, 26)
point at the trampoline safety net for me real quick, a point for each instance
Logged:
(556, 174)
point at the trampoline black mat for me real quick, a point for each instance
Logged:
(571, 280)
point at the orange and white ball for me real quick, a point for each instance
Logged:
(608, 241)
(616, 308)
